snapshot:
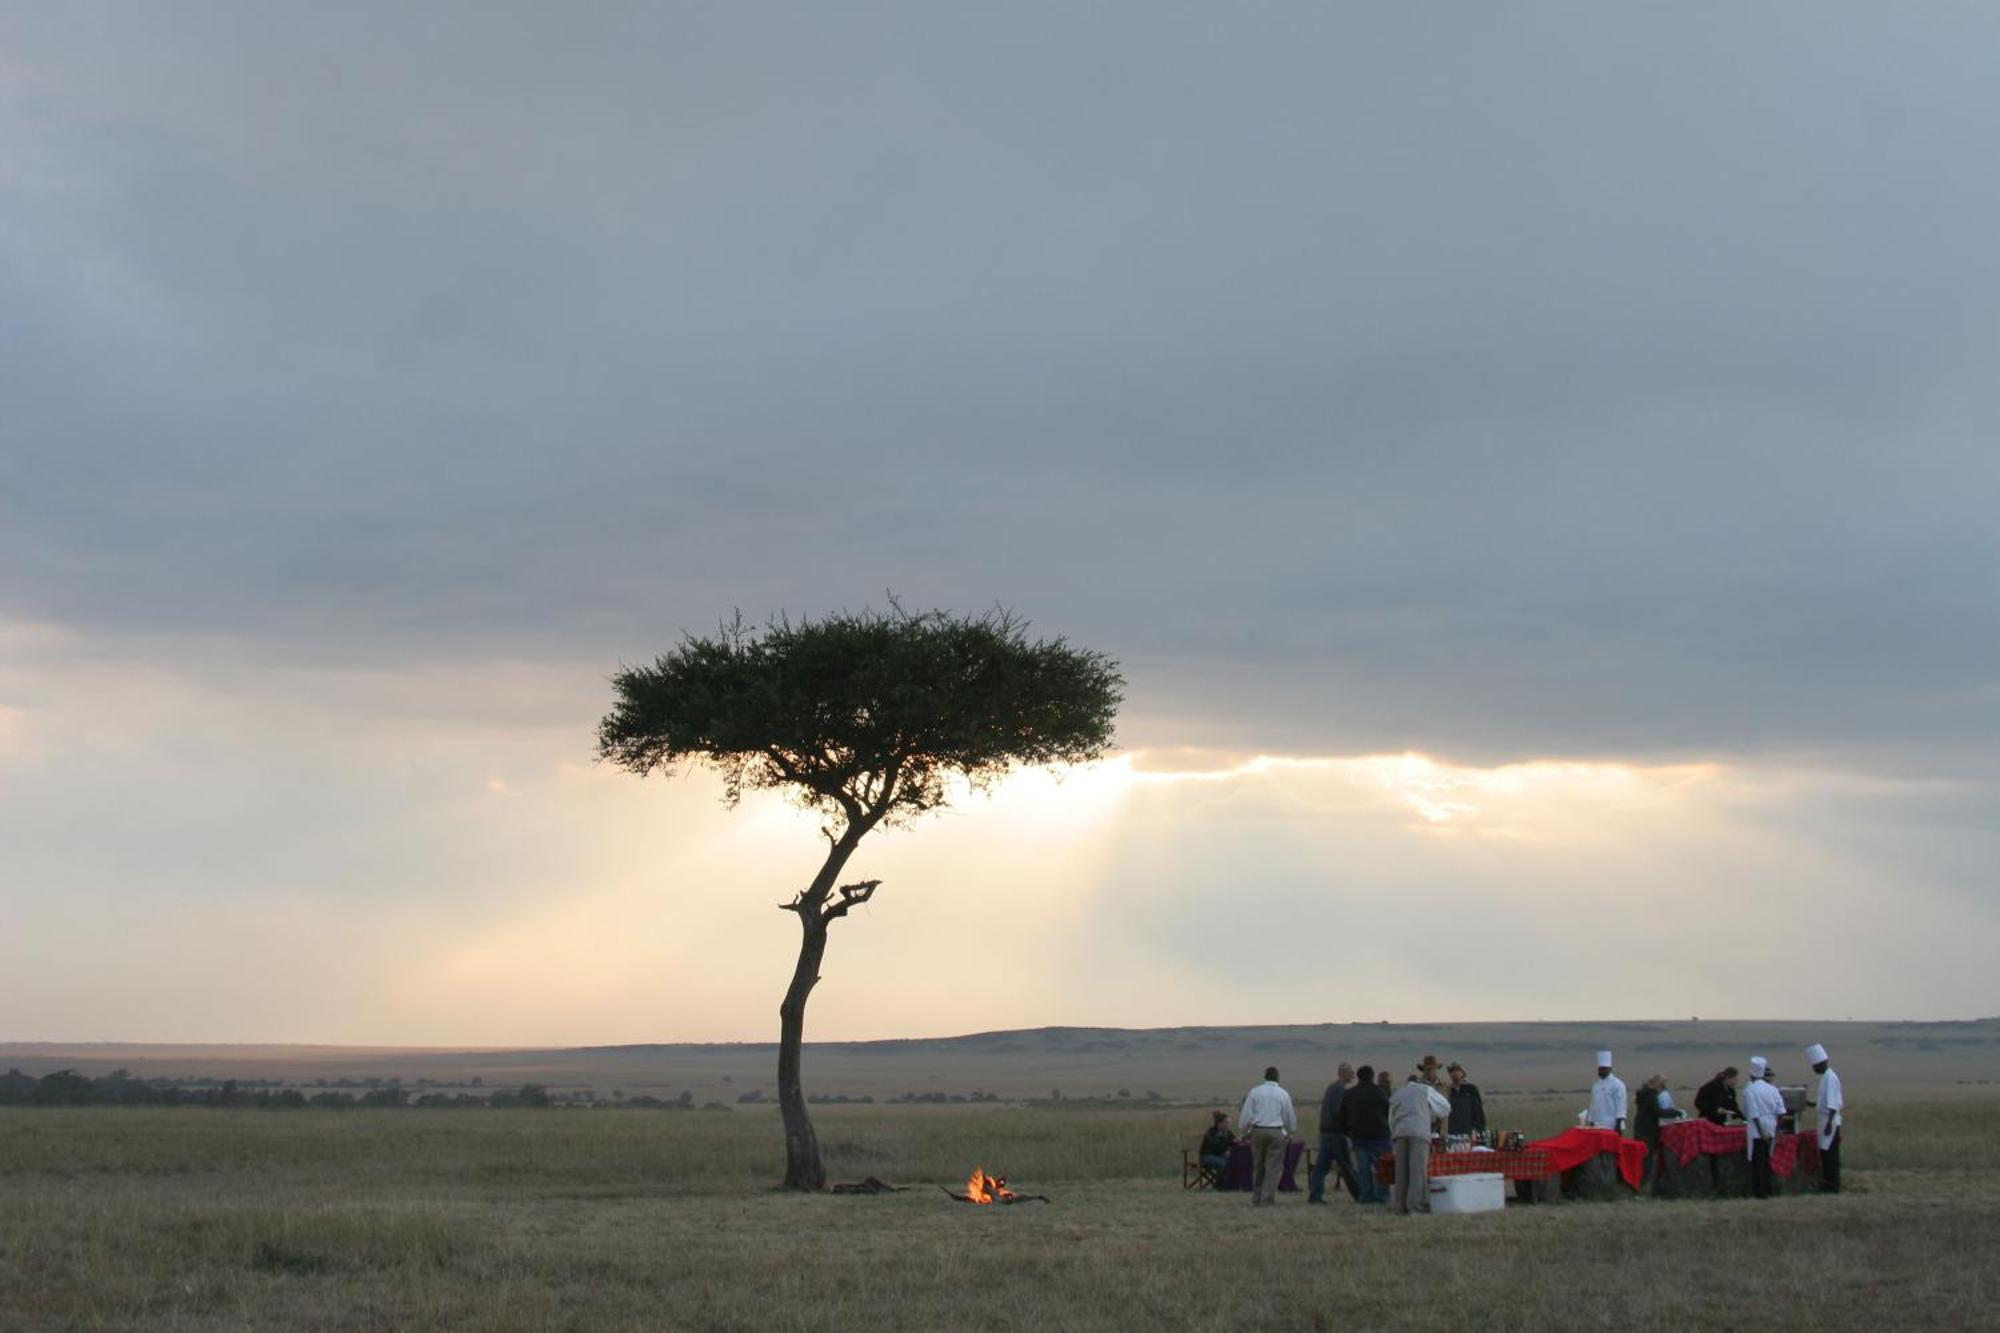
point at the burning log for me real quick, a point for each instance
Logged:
(988, 1189)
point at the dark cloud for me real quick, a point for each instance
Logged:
(1571, 381)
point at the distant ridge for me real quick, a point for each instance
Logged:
(1085, 1062)
(1057, 1034)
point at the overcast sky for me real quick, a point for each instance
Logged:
(1596, 403)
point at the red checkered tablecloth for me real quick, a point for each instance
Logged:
(1687, 1139)
(1527, 1164)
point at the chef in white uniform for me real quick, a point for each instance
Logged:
(1832, 1117)
(1607, 1098)
(1762, 1105)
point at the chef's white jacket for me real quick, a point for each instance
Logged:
(1607, 1102)
(1762, 1105)
(1831, 1107)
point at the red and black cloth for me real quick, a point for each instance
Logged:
(1574, 1147)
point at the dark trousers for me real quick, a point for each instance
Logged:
(1655, 1165)
(1829, 1166)
(1366, 1153)
(1334, 1155)
(1760, 1168)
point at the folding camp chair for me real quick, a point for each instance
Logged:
(1195, 1173)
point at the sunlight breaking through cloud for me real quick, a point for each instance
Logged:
(1437, 791)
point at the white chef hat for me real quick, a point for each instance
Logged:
(1758, 1064)
(1604, 1059)
(1815, 1053)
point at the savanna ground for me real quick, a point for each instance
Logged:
(191, 1218)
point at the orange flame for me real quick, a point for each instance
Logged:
(982, 1188)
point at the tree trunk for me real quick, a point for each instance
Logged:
(803, 1168)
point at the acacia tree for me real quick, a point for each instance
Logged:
(867, 718)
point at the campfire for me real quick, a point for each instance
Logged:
(981, 1187)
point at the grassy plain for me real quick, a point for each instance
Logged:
(191, 1218)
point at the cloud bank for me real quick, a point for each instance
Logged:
(1598, 387)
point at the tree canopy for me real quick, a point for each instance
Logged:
(864, 715)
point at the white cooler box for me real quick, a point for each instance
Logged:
(1475, 1192)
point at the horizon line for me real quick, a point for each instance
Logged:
(434, 1048)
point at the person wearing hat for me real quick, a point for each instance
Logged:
(1607, 1098)
(1763, 1104)
(1832, 1108)
(1468, 1112)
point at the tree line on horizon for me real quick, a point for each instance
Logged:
(67, 1087)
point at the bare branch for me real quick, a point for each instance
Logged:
(807, 902)
(851, 895)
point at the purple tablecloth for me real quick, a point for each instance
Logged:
(1237, 1177)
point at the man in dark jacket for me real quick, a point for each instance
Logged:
(1334, 1153)
(1364, 1119)
(1468, 1112)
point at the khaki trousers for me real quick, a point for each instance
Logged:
(1267, 1163)
(1413, 1175)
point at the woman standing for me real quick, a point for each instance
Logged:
(1646, 1126)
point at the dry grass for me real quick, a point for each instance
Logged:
(525, 1220)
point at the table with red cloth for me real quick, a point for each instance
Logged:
(1515, 1164)
(1573, 1147)
(1687, 1139)
(1242, 1167)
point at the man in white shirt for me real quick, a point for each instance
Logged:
(1268, 1121)
(1762, 1105)
(1412, 1113)
(1607, 1098)
(1832, 1118)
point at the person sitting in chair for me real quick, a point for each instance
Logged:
(1215, 1144)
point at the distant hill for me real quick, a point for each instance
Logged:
(1178, 1064)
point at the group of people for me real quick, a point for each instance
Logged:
(1759, 1110)
(1363, 1117)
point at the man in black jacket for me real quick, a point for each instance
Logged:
(1468, 1112)
(1334, 1153)
(1364, 1118)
